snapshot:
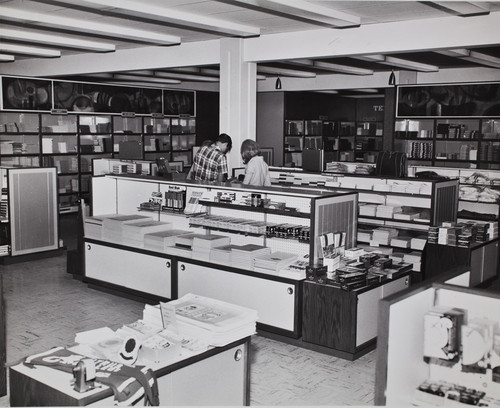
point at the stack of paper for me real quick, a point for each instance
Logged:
(112, 226)
(202, 245)
(368, 210)
(216, 322)
(222, 254)
(387, 211)
(93, 225)
(364, 234)
(183, 245)
(133, 234)
(273, 262)
(413, 258)
(243, 256)
(159, 241)
(401, 242)
(383, 235)
(418, 242)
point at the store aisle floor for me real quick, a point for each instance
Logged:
(45, 307)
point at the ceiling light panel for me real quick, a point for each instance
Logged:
(6, 58)
(285, 72)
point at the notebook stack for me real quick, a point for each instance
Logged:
(387, 211)
(202, 245)
(159, 241)
(273, 262)
(93, 225)
(222, 254)
(383, 235)
(183, 245)
(243, 255)
(133, 234)
(112, 226)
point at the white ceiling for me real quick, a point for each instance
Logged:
(28, 26)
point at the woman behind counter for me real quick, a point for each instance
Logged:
(256, 169)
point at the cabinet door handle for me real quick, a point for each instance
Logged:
(290, 291)
(167, 264)
(407, 281)
(89, 247)
(238, 354)
(183, 267)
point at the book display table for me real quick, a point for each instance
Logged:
(203, 337)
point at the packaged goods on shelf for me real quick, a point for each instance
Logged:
(367, 210)
(243, 255)
(93, 225)
(383, 235)
(202, 245)
(222, 254)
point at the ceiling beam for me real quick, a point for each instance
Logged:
(302, 11)
(27, 50)
(173, 75)
(285, 72)
(167, 15)
(398, 62)
(327, 66)
(6, 58)
(473, 56)
(86, 27)
(458, 8)
(57, 40)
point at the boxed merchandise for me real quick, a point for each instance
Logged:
(316, 273)
(353, 285)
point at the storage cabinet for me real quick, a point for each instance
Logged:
(276, 300)
(70, 142)
(28, 211)
(344, 320)
(127, 267)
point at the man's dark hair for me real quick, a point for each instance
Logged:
(225, 138)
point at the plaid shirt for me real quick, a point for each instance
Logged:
(208, 163)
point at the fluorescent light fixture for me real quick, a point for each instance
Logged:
(327, 91)
(167, 15)
(58, 40)
(303, 11)
(26, 50)
(398, 62)
(459, 52)
(87, 27)
(286, 72)
(6, 58)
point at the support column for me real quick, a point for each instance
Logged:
(238, 97)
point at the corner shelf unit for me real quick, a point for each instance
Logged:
(70, 142)
(450, 142)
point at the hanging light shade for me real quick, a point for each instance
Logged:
(392, 78)
(278, 83)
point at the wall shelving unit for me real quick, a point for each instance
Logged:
(70, 142)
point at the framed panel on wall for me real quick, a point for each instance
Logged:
(179, 103)
(268, 154)
(480, 99)
(26, 94)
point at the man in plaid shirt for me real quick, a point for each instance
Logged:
(210, 163)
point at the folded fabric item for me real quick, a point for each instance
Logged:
(129, 383)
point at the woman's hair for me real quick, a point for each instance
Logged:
(249, 149)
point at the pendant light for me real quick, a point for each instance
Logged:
(392, 78)
(278, 83)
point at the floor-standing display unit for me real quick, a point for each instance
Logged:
(438, 345)
(29, 216)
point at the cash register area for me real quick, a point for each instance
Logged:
(45, 307)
